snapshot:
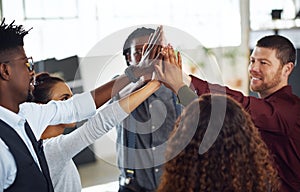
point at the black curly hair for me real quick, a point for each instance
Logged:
(11, 35)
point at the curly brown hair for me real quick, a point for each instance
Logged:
(238, 160)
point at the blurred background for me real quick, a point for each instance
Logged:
(66, 34)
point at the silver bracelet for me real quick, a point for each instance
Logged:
(129, 73)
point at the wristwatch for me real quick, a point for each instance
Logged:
(129, 73)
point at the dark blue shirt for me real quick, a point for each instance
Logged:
(151, 124)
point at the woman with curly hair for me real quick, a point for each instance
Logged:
(238, 160)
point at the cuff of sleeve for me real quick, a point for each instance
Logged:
(119, 112)
(131, 87)
(85, 105)
(186, 95)
(129, 73)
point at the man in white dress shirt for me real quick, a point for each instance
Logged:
(21, 166)
(23, 170)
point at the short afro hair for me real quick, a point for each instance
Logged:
(11, 35)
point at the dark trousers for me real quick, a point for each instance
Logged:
(124, 189)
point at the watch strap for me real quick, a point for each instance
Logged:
(129, 73)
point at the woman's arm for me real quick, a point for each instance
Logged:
(132, 101)
(65, 147)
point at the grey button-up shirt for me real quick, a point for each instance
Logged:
(151, 124)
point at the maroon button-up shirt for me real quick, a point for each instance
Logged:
(278, 119)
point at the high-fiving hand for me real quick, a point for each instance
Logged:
(169, 72)
(151, 54)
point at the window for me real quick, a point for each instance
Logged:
(214, 23)
(261, 18)
(50, 9)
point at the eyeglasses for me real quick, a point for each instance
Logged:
(138, 52)
(29, 63)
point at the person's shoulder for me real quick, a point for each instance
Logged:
(29, 106)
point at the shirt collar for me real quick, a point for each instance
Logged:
(11, 118)
(287, 89)
(283, 90)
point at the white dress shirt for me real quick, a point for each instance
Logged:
(38, 116)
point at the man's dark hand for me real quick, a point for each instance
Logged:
(151, 55)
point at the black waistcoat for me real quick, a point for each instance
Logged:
(29, 178)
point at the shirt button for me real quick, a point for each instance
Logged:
(153, 127)
(153, 148)
(150, 106)
(156, 170)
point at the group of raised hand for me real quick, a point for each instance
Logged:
(160, 62)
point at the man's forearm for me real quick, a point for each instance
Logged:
(105, 92)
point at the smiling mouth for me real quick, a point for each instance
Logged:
(256, 78)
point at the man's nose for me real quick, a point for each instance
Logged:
(254, 66)
(32, 73)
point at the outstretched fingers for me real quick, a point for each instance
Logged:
(172, 56)
(159, 71)
(179, 60)
(169, 72)
(155, 42)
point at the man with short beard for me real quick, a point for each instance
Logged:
(276, 113)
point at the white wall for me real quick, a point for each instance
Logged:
(92, 31)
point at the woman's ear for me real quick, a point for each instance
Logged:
(4, 71)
